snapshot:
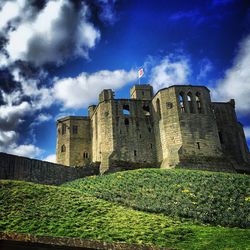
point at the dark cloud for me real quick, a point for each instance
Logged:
(38, 4)
(50, 32)
(64, 42)
(7, 82)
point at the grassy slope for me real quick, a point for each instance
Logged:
(46, 210)
(58, 211)
(206, 197)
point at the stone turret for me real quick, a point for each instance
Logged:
(106, 94)
(186, 130)
(73, 141)
(141, 92)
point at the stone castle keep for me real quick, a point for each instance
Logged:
(178, 126)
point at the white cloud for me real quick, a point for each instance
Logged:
(9, 11)
(40, 97)
(170, 71)
(44, 117)
(206, 66)
(41, 118)
(8, 145)
(11, 115)
(3, 60)
(236, 83)
(27, 150)
(65, 33)
(50, 158)
(7, 137)
(84, 89)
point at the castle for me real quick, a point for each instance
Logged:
(178, 126)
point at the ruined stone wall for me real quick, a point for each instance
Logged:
(123, 132)
(186, 128)
(21, 168)
(134, 140)
(102, 135)
(167, 127)
(74, 142)
(80, 141)
(63, 142)
(200, 140)
(231, 133)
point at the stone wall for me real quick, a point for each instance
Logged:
(123, 131)
(21, 168)
(167, 127)
(231, 133)
(198, 125)
(76, 139)
(20, 241)
(63, 141)
(133, 135)
(80, 142)
(102, 136)
(185, 128)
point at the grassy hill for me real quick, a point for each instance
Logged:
(206, 197)
(72, 210)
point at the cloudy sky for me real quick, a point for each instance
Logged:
(57, 55)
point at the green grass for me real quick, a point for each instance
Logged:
(43, 210)
(205, 197)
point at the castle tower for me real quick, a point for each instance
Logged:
(231, 133)
(187, 130)
(102, 127)
(141, 92)
(73, 141)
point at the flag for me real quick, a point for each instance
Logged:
(140, 73)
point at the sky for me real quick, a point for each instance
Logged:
(57, 55)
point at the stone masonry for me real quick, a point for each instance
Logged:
(179, 126)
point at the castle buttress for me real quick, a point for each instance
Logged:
(178, 126)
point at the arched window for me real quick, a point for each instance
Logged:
(198, 102)
(85, 155)
(181, 102)
(126, 121)
(146, 110)
(125, 109)
(158, 108)
(190, 102)
(63, 148)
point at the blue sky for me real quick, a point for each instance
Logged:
(57, 55)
